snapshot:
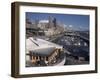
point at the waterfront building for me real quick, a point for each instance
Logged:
(43, 53)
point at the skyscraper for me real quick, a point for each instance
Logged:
(50, 24)
(54, 22)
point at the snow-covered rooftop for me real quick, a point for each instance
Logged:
(34, 44)
(44, 21)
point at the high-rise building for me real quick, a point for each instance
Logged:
(55, 22)
(50, 24)
(36, 22)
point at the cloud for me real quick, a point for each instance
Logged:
(70, 26)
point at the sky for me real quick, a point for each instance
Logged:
(76, 22)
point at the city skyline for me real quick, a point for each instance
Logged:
(76, 22)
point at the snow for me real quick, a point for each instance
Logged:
(44, 21)
(36, 43)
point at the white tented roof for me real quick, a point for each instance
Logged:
(36, 43)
